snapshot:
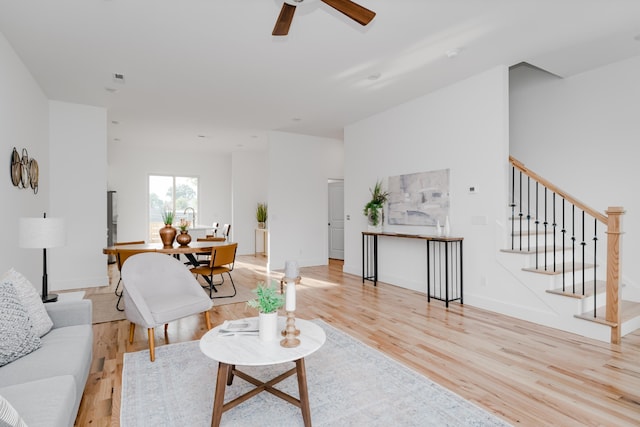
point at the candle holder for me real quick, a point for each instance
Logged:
(290, 339)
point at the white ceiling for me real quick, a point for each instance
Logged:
(208, 74)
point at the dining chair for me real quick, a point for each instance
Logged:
(226, 229)
(158, 290)
(119, 266)
(222, 261)
(204, 257)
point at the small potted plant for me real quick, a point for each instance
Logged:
(183, 238)
(373, 210)
(184, 225)
(167, 233)
(261, 214)
(268, 302)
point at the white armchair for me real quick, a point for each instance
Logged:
(158, 289)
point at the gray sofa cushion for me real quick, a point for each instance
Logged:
(65, 351)
(17, 337)
(44, 403)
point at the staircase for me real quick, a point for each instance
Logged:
(567, 254)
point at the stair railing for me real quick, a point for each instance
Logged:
(548, 216)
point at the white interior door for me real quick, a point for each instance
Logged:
(336, 220)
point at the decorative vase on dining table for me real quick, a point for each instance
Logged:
(167, 235)
(183, 238)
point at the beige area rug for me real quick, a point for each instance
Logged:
(350, 384)
(104, 303)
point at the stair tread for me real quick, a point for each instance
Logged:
(548, 249)
(601, 288)
(559, 267)
(541, 232)
(628, 309)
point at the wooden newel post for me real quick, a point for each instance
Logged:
(614, 246)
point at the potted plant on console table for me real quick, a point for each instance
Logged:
(268, 302)
(374, 210)
(261, 214)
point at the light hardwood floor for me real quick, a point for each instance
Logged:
(524, 373)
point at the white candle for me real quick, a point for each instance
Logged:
(290, 297)
(291, 269)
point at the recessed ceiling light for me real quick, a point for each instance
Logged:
(115, 122)
(296, 119)
(111, 89)
(202, 136)
(240, 145)
(116, 139)
(374, 76)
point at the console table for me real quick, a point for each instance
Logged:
(261, 236)
(444, 263)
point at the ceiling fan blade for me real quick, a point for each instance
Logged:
(360, 14)
(284, 20)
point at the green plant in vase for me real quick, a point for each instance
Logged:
(268, 302)
(373, 209)
(261, 214)
(167, 233)
(184, 225)
(167, 217)
(268, 299)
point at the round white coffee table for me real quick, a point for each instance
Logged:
(232, 350)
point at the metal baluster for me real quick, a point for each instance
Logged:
(528, 215)
(537, 222)
(554, 231)
(513, 206)
(595, 283)
(564, 235)
(573, 245)
(520, 214)
(583, 244)
(546, 223)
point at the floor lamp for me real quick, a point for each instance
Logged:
(42, 233)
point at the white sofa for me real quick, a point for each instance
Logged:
(45, 387)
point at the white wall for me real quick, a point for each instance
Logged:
(582, 134)
(78, 186)
(129, 171)
(300, 167)
(250, 178)
(24, 123)
(464, 128)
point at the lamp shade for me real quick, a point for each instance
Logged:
(41, 232)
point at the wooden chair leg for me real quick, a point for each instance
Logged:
(152, 348)
(207, 318)
(132, 330)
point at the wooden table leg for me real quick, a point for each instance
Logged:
(230, 375)
(218, 400)
(304, 394)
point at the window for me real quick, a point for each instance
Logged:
(171, 193)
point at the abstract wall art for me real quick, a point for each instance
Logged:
(419, 198)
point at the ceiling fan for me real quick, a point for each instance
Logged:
(354, 11)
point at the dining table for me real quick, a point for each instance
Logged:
(189, 251)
